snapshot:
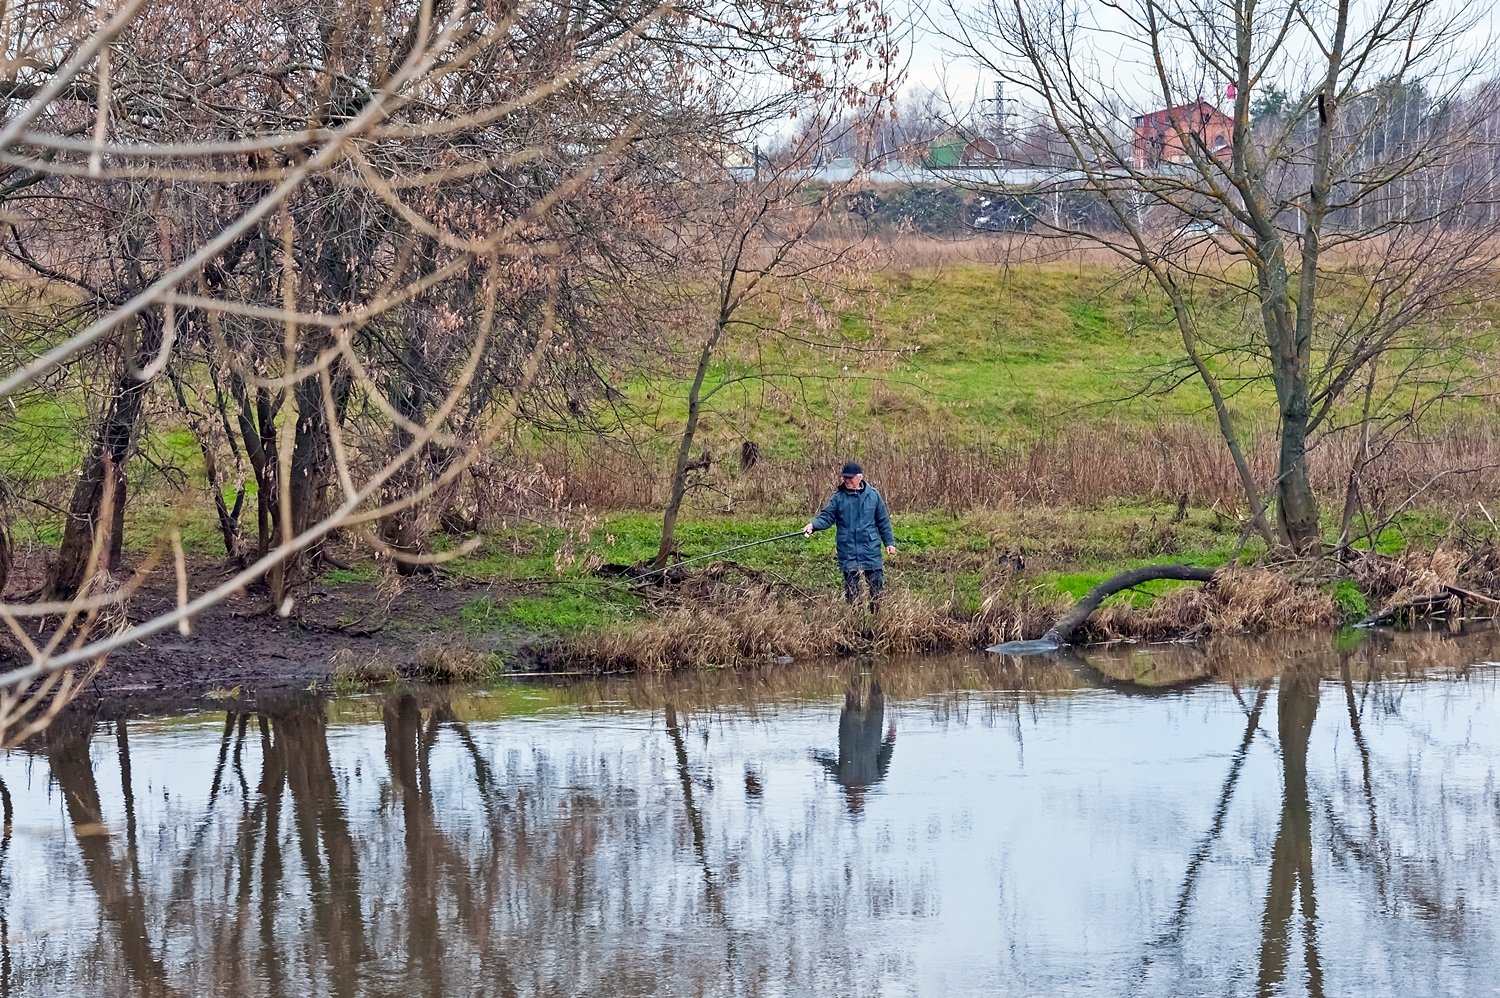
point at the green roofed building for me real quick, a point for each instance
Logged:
(958, 147)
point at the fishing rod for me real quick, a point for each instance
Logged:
(715, 554)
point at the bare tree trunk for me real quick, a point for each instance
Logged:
(1351, 491)
(257, 424)
(683, 464)
(5, 558)
(229, 519)
(106, 456)
(1296, 506)
(1290, 350)
(411, 397)
(1062, 631)
(312, 458)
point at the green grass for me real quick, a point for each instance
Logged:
(1352, 603)
(980, 353)
(943, 558)
(345, 576)
(588, 604)
(975, 351)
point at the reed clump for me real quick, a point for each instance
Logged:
(740, 625)
(351, 671)
(454, 661)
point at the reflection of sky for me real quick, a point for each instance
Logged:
(1031, 851)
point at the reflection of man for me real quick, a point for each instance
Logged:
(863, 757)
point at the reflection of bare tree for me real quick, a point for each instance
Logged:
(1216, 828)
(327, 847)
(122, 906)
(1291, 859)
(429, 854)
(694, 815)
(7, 816)
(267, 814)
(587, 867)
(406, 749)
(127, 791)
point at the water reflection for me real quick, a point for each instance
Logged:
(1292, 857)
(594, 840)
(865, 744)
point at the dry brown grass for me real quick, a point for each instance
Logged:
(352, 670)
(914, 251)
(1082, 465)
(453, 661)
(1396, 581)
(755, 625)
(739, 627)
(1243, 601)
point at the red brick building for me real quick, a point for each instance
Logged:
(1156, 134)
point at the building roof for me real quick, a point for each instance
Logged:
(1168, 115)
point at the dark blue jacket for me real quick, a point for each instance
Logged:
(864, 527)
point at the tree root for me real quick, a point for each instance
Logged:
(1061, 632)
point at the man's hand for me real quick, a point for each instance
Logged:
(890, 549)
(807, 530)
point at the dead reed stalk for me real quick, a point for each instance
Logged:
(1081, 465)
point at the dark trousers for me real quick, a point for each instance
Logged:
(874, 578)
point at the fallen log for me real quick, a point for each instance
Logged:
(1061, 632)
(1434, 604)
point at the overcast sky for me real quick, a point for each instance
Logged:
(937, 63)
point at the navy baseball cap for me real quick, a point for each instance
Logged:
(851, 469)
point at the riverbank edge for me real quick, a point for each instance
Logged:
(240, 647)
(355, 636)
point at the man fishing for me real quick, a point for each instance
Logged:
(859, 513)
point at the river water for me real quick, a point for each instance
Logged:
(1306, 816)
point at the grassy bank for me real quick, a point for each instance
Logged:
(547, 595)
(999, 408)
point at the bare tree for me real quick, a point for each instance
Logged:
(1294, 206)
(760, 270)
(366, 245)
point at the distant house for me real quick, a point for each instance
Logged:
(735, 157)
(1157, 138)
(958, 147)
